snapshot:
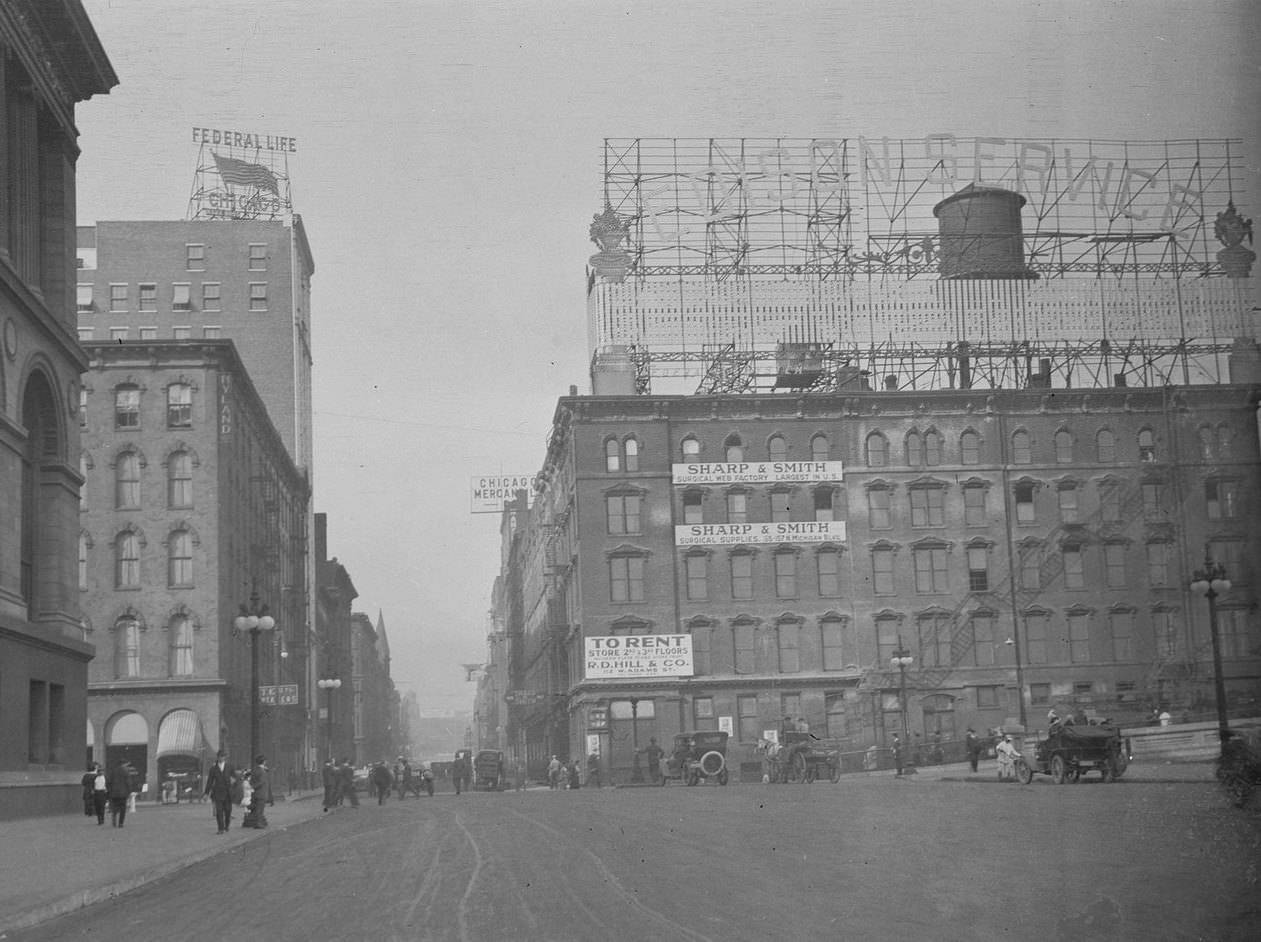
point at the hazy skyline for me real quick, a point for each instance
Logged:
(448, 167)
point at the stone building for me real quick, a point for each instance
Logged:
(192, 507)
(50, 60)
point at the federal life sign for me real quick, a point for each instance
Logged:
(629, 656)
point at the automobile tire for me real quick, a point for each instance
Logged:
(1059, 769)
(1024, 774)
(712, 762)
(723, 777)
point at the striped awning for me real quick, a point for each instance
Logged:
(180, 734)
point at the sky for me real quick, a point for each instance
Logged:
(448, 167)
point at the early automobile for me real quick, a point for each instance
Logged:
(1068, 751)
(490, 771)
(696, 756)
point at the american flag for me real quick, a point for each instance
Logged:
(246, 174)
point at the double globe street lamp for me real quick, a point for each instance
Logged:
(902, 659)
(1210, 582)
(254, 619)
(329, 684)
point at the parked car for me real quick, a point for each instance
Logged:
(490, 771)
(697, 756)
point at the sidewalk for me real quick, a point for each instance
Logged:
(1147, 771)
(55, 865)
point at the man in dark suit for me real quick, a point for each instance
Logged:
(329, 777)
(219, 783)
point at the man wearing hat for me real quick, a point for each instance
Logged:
(219, 782)
(260, 782)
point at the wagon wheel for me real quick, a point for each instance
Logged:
(811, 774)
(1024, 774)
(799, 768)
(1059, 769)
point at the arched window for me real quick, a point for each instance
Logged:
(179, 480)
(733, 448)
(1063, 447)
(1021, 447)
(181, 631)
(1206, 443)
(127, 647)
(820, 449)
(777, 448)
(1146, 445)
(914, 449)
(691, 448)
(127, 553)
(127, 481)
(970, 447)
(612, 455)
(877, 450)
(1105, 445)
(631, 447)
(180, 554)
(932, 448)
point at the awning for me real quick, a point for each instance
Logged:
(180, 734)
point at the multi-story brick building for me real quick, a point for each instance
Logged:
(50, 60)
(192, 506)
(1029, 548)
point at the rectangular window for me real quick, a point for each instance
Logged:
(974, 514)
(1233, 632)
(1230, 554)
(746, 654)
(195, 257)
(1158, 564)
(1025, 511)
(887, 640)
(1114, 564)
(829, 566)
(823, 504)
(258, 295)
(148, 297)
(785, 575)
(928, 507)
(878, 508)
(626, 578)
(1083, 688)
(834, 704)
(1110, 503)
(1166, 631)
(622, 511)
(781, 511)
(179, 406)
(986, 698)
(181, 333)
(789, 649)
(692, 512)
(1153, 499)
(833, 651)
(258, 257)
(1036, 638)
(1068, 504)
(1122, 630)
(697, 566)
(702, 657)
(931, 574)
(790, 705)
(882, 572)
(1074, 568)
(983, 640)
(127, 408)
(118, 297)
(934, 640)
(211, 296)
(210, 333)
(1079, 638)
(1039, 694)
(148, 333)
(118, 334)
(1030, 567)
(83, 299)
(703, 716)
(737, 507)
(1220, 497)
(181, 297)
(978, 569)
(750, 724)
(742, 576)
(86, 334)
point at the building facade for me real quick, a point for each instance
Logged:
(1030, 549)
(50, 60)
(192, 508)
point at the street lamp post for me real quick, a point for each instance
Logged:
(902, 659)
(637, 774)
(328, 685)
(1210, 582)
(255, 619)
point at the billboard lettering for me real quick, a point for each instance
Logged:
(488, 492)
(731, 534)
(758, 472)
(624, 656)
(247, 140)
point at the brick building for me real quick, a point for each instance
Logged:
(192, 506)
(50, 60)
(1030, 548)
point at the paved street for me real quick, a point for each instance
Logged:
(952, 857)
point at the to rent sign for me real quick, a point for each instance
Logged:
(623, 656)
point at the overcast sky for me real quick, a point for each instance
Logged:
(449, 164)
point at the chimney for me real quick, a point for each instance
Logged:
(321, 538)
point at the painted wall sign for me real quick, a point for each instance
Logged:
(625, 656)
(732, 534)
(757, 472)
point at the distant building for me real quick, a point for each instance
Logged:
(50, 60)
(191, 507)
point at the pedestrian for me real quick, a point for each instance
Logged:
(655, 752)
(460, 771)
(553, 773)
(1006, 753)
(519, 773)
(897, 754)
(100, 792)
(407, 780)
(973, 747)
(328, 777)
(593, 770)
(381, 781)
(346, 783)
(221, 782)
(575, 778)
(119, 784)
(260, 794)
(89, 777)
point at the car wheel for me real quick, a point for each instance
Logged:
(712, 762)
(1024, 774)
(1059, 769)
(722, 777)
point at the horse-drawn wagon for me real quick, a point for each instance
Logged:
(800, 757)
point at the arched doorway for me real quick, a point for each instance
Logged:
(127, 737)
(180, 755)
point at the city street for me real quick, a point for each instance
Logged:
(952, 857)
